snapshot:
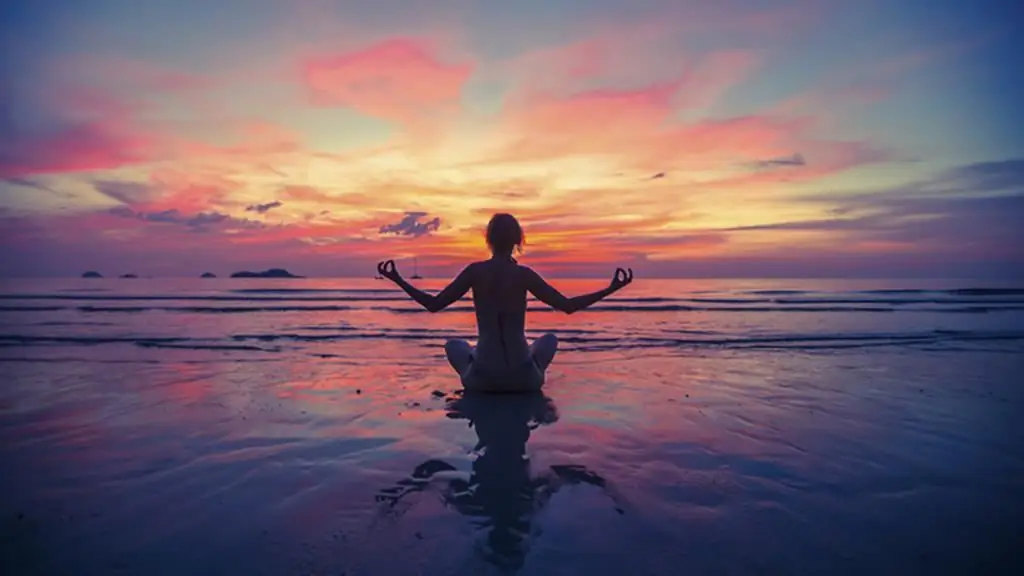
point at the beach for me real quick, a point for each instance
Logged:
(187, 426)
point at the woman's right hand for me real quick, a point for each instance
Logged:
(622, 278)
(388, 270)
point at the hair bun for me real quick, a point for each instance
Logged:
(504, 234)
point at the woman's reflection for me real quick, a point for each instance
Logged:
(501, 494)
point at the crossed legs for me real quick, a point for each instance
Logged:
(543, 350)
(460, 353)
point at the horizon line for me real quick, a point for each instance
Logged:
(554, 276)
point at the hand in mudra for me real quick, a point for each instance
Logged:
(623, 277)
(388, 270)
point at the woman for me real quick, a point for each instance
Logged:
(502, 361)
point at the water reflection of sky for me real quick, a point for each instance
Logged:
(503, 493)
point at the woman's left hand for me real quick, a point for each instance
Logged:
(388, 270)
(623, 277)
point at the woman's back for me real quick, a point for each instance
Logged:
(499, 299)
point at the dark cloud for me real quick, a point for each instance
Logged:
(131, 194)
(978, 179)
(204, 218)
(988, 225)
(999, 176)
(197, 222)
(125, 192)
(410, 225)
(969, 210)
(986, 222)
(28, 183)
(264, 208)
(782, 162)
(822, 224)
(168, 216)
(124, 212)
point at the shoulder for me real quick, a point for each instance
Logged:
(527, 272)
(474, 269)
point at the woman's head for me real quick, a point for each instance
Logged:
(505, 235)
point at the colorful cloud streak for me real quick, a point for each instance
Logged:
(740, 138)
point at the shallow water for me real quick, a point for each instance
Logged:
(713, 427)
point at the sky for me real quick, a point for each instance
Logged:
(755, 138)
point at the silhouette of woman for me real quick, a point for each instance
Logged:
(501, 494)
(502, 361)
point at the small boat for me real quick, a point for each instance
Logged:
(415, 271)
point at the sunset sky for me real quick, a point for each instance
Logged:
(731, 138)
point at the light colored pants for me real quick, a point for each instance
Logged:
(526, 377)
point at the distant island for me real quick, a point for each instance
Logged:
(128, 276)
(272, 273)
(208, 275)
(92, 274)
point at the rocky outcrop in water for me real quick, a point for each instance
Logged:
(208, 275)
(128, 276)
(92, 274)
(271, 273)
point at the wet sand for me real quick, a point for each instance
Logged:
(638, 462)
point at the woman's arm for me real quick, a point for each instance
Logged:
(451, 293)
(549, 295)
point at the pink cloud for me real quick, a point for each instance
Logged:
(402, 79)
(99, 114)
(641, 127)
(189, 198)
(608, 53)
(185, 193)
(73, 148)
(649, 44)
(626, 55)
(247, 145)
(108, 112)
(594, 113)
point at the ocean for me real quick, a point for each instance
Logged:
(211, 426)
